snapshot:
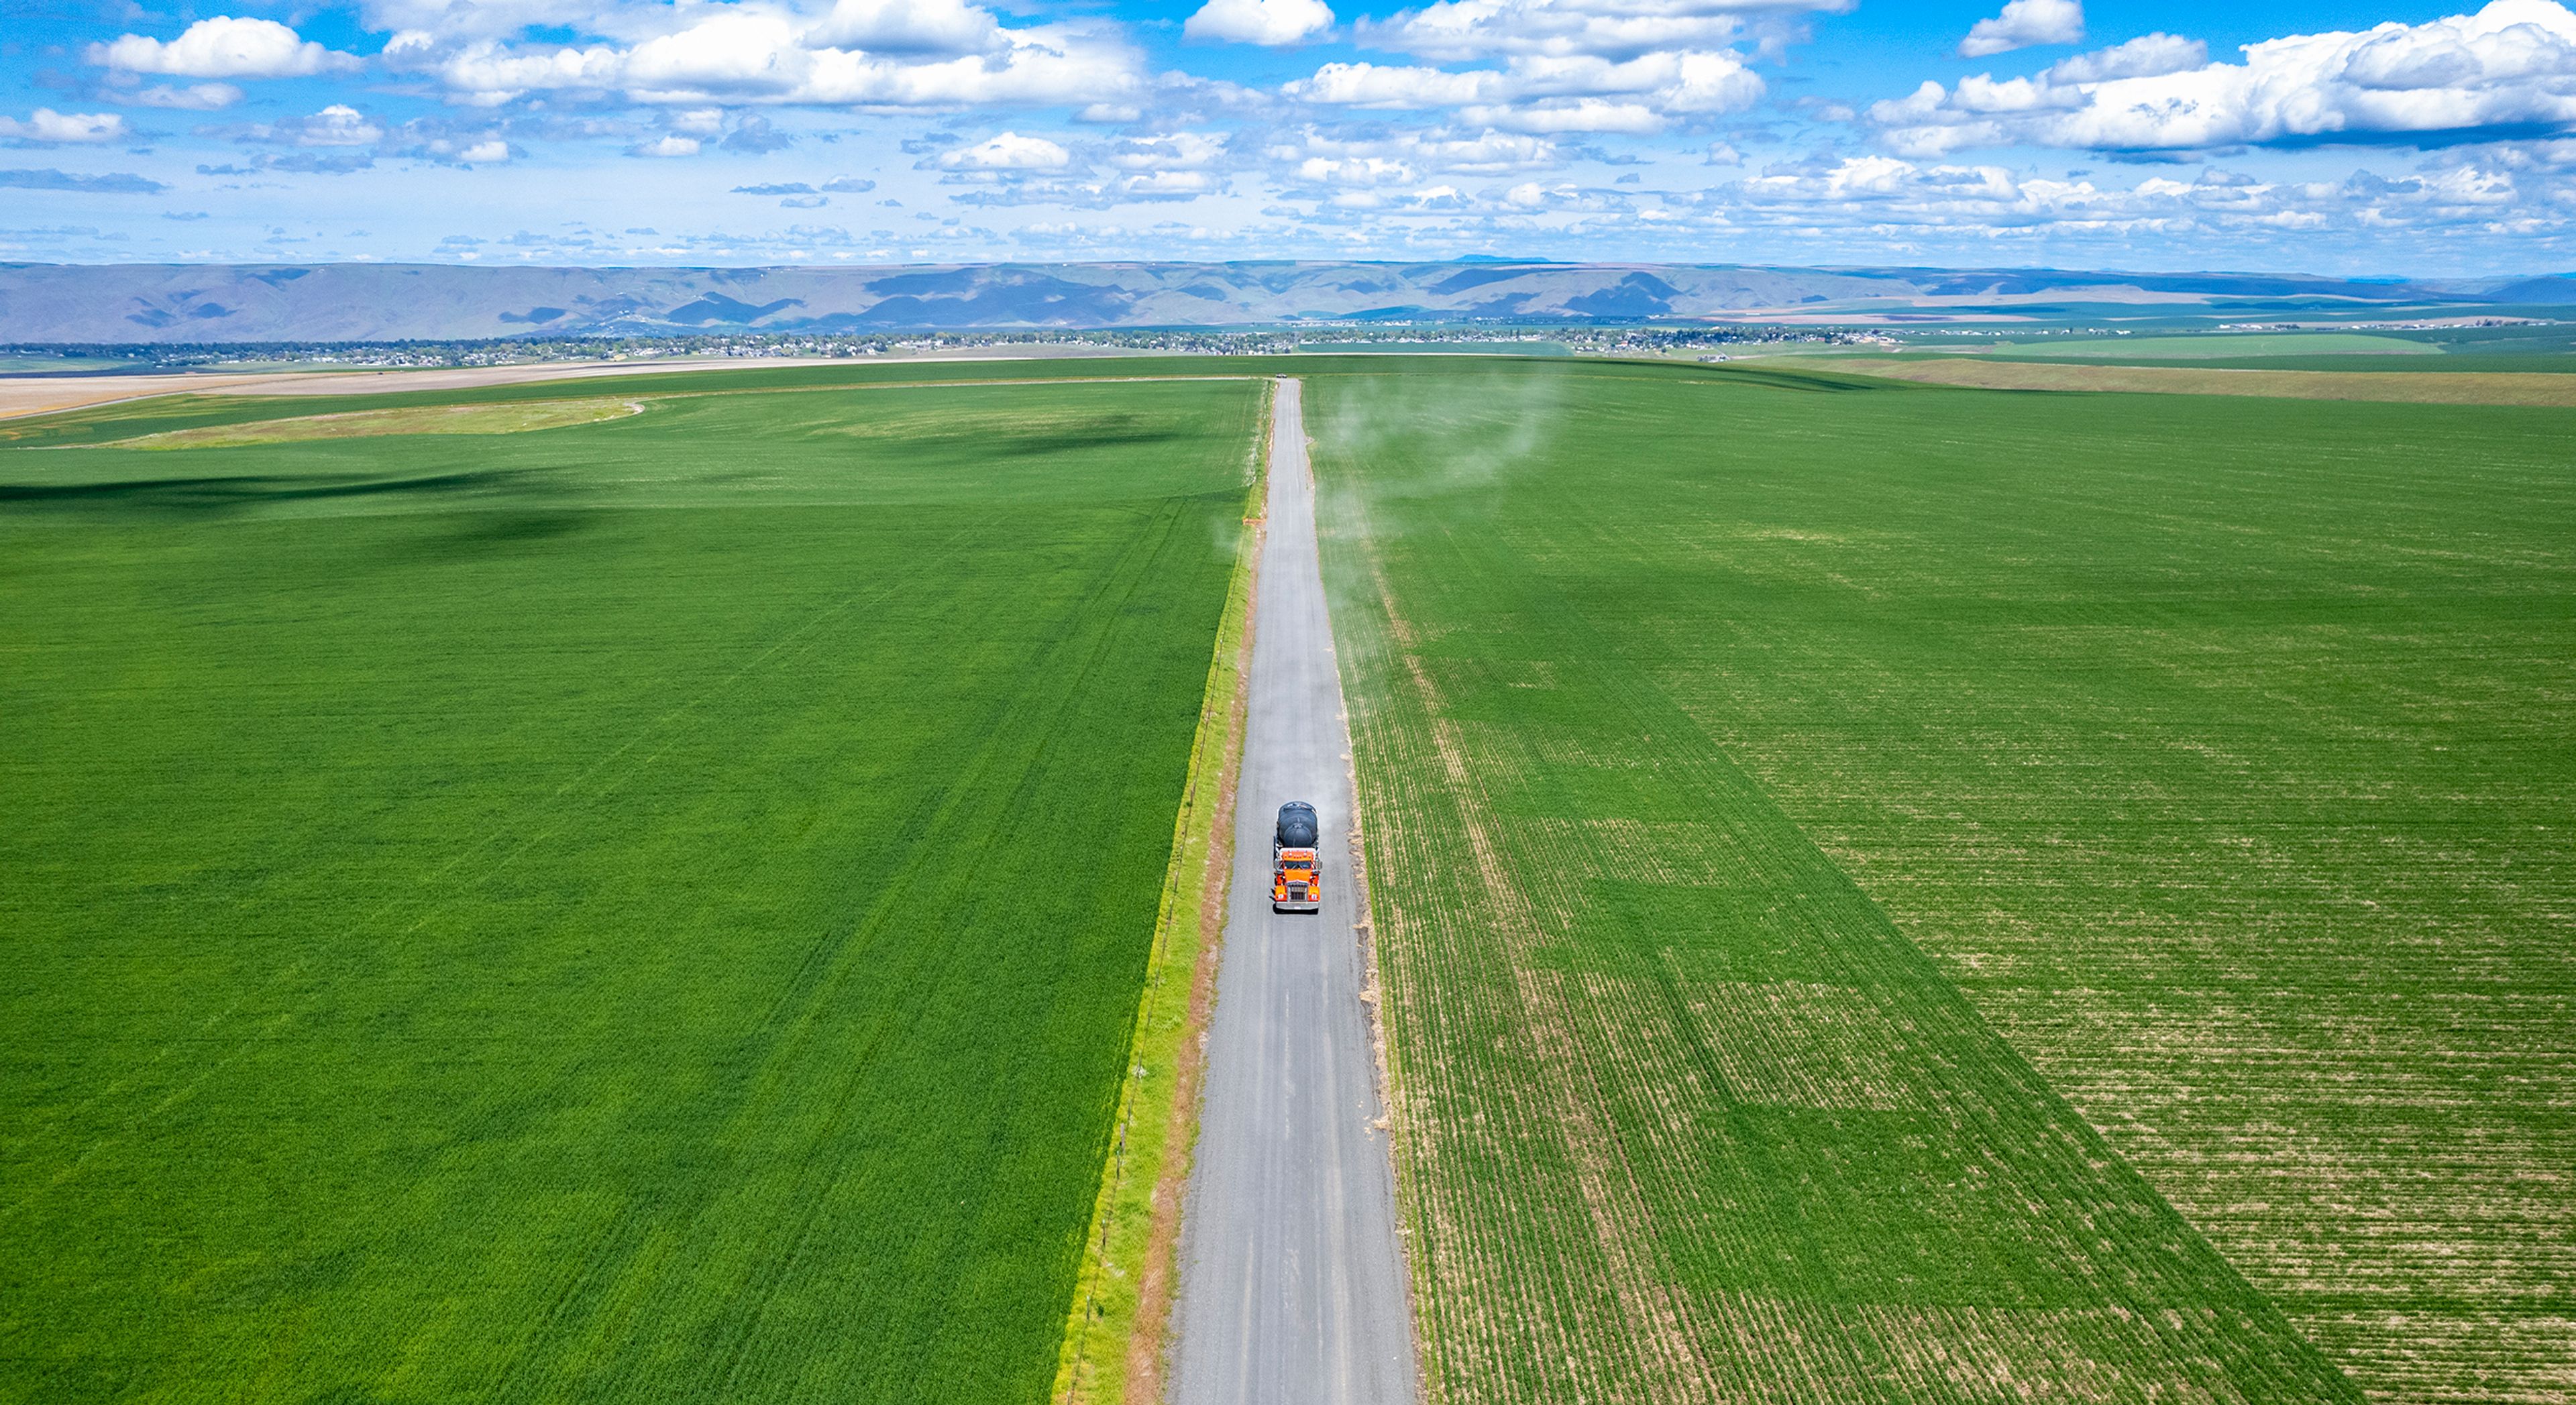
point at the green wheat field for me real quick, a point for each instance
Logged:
(638, 890)
(1895, 893)
(648, 908)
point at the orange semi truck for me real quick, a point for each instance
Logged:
(1296, 865)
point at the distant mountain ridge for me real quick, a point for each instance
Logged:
(173, 303)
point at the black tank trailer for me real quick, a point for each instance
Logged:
(1296, 826)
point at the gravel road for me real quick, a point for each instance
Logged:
(1292, 1284)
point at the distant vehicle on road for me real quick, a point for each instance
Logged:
(1296, 865)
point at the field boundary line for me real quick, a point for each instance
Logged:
(19, 423)
(2530, 389)
(1112, 1347)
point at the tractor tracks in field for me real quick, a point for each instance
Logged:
(431, 896)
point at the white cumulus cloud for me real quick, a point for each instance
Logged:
(1159, 168)
(338, 125)
(486, 74)
(1173, 151)
(2508, 69)
(1550, 93)
(1166, 185)
(1008, 151)
(2147, 56)
(1393, 86)
(50, 128)
(1034, 69)
(223, 47)
(725, 53)
(1357, 172)
(908, 27)
(2023, 24)
(495, 19)
(1555, 115)
(1453, 30)
(195, 97)
(860, 53)
(1406, 155)
(1886, 195)
(1270, 22)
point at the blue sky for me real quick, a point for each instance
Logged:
(2376, 139)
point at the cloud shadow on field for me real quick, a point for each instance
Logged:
(477, 534)
(1823, 379)
(213, 493)
(468, 514)
(1127, 435)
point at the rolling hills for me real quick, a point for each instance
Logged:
(165, 304)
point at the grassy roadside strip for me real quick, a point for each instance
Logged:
(1122, 1298)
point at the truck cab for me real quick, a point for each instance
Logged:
(1296, 861)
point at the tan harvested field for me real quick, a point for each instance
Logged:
(516, 417)
(39, 395)
(2462, 388)
(43, 395)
